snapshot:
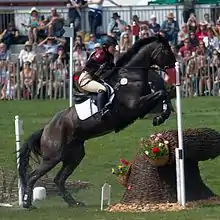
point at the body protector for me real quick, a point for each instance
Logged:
(99, 62)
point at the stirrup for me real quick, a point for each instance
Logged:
(104, 112)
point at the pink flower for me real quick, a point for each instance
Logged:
(129, 187)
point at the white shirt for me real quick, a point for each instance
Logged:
(25, 56)
(51, 48)
(213, 42)
(95, 6)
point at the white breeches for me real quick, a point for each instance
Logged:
(86, 83)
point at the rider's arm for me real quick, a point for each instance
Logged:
(96, 59)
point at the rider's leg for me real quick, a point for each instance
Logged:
(86, 83)
(101, 99)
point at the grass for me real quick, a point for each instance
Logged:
(102, 154)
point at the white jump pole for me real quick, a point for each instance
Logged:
(18, 146)
(71, 70)
(178, 188)
(180, 137)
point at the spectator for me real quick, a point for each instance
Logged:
(55, 24)
(193, 40)
(80, 57)
(27, 54)
(127, 32)
(125, 43)
(183, 34)
(136, 19)
(202, 31)
(95, 14)
(201, 50)
(217, 29)
(60, 77)
(192, 23)
(74, 13)
(9, 35)
(9, 86)
(201, 68)
(145, 28)
(62, 56)
(211, 42)
(3, 73)
(188, 9)
(27, 76)
(171, 28)
(186, 50)
(79, 40)
(51, 44)
(33, 24)
(4, 53)
(207, 20)
(116, 26)
(154, 26)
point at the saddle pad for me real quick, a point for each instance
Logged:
(86, 109)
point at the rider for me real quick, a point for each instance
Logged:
(87, 80)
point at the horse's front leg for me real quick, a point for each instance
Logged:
(149, 102)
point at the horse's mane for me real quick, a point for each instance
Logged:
(137, 46)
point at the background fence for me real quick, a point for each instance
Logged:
(126, 13)
(47, 81)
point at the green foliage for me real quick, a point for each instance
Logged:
(122, 168)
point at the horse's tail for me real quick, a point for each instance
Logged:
(32, 144)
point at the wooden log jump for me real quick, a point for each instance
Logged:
(151, 184)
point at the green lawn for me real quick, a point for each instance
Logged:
(102, 154)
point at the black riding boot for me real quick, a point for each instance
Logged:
(101, 101)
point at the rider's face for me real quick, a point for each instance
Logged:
(111, 49)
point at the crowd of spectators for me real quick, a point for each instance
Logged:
(195, 43)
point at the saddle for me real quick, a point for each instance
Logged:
(80, 97)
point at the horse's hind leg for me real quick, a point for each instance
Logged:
(44, 167)
(73, 155)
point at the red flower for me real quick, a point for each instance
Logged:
(123, 161)
(155, 150)
(75, 78)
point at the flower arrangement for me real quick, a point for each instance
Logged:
(121, 172)
(156, 149)
(122, 168)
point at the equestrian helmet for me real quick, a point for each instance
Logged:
(109, 41)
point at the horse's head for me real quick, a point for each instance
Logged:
(148, 52)
(160, 53)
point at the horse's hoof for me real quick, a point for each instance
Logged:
(77, 204)
(157, 121)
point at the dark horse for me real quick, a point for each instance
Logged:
(62, 139)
